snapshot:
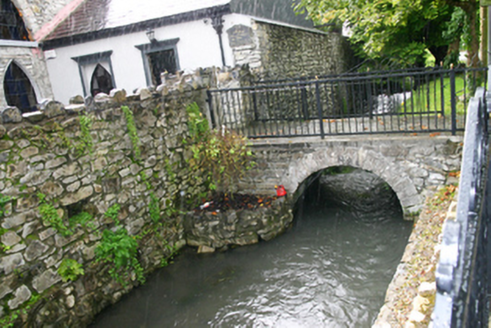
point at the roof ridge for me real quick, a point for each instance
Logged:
(59, 18)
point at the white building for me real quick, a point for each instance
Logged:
(126, 44)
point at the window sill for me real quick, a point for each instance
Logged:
(20, 44)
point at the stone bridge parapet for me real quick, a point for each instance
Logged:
(409, 164)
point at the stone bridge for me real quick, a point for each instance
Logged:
(411, 165)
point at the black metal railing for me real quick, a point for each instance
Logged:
(463, 268)
(403, 101)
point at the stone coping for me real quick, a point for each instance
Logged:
(410, 297)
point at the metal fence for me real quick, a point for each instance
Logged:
(404, 101)
(463, 268)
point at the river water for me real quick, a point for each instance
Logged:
(330, 270)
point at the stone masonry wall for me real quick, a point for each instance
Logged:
(278, 52)
(44, 153)
(47, 162)
(212, 230)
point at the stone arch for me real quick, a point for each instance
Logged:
(365, 159)
(18, 88)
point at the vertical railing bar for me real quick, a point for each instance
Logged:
(452, 101)
(256, 122)
(412, 103)
(348, 109)
(355, 104)
(270, 116)
(362, 105)
(340, 103)
(225, 109)
(403, 83)
(242, 113)
(428, 100)
(209, 100)
(314, 109)
(368, 87)
(331, 98)
(384, 110)
(300, 104)
(319, 108)
(442, 95)
(278, 111)
(290, 105)
(233, 96)
(329, 112)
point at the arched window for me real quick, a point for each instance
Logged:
(11, 23)
(18, 89)
(101, 81)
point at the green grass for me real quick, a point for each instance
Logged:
(428, 97)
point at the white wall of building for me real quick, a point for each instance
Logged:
(198, 46)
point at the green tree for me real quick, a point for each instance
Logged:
(402, 30)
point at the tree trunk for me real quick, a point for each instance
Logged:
(473, 47)
(453, 53)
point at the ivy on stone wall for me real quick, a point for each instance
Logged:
(86, 143)
(132, 132)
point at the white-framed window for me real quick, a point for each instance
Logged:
(159, 57)
(96, 73)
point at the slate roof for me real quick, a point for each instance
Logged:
(96, 19)
(98, 15)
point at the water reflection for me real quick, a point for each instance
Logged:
(330, 270)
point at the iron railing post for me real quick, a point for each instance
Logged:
(303, 97)
(442, 94)
(209, 100)
(319, 108)
(453, 101)
(254, 102)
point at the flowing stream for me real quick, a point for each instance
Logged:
(330, 270)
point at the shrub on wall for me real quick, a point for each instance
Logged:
(220, 154)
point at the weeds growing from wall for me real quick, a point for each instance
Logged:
(221, 155)
(8, 321)
(119, 249)
(70, 270)
(113, 213)
(4, 200)
(50, 216)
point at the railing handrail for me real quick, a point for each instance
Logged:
(414, 101)
(456, 267)
(350, 73)
(338, 78)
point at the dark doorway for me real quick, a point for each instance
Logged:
(101, 81)
(18, 89)
(161, 61)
